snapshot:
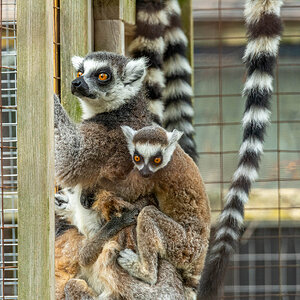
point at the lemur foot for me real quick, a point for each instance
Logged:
(61, 202)
(129, 261)
(76, 289)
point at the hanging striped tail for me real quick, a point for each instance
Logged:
(149, 43)
(178, 93)
(264, 29)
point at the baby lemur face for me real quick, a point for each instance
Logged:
(105, 81)
(151, 147)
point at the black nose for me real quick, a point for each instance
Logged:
(76, 83)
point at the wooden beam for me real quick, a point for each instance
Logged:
(35, 149)
(188, 27)
(76, 28)
(112, 19)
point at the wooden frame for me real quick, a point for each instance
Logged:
(113, 24)
(35, 149)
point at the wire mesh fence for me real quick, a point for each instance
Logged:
(8, 142)
(267, 265)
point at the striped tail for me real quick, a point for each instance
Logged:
(264, 29)
(149, 43)
(178, 92)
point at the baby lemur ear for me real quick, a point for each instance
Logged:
(77, 62)
(174, 136)
(129, 134)
(135, 70)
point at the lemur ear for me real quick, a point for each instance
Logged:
(174, 136)
(77, 62)
(129, 133)
(135, 70)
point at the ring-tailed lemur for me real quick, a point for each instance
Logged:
(110, 88)
(178, 232)
(160, 38)
(264, 29)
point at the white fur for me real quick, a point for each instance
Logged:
(175, 65)
(157, 108)
(185, 126)
(257, 115)
(172, 7)
(153, 18)
(175, 35)
(141, 43)
(227, 231)
(217, 247)
(77, 62)
(245, 171)
(155, 76)
(253, 145)
(178, 88)
(177, 109)
(233, 213)
(133, 67)
(91, 65)
(241, 194)
(255, 8)
(129, 134)
(261, 45)
(259, 80)
(147, 150)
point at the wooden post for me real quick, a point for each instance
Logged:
(76, 39)
(35, 149)
(111, 21)
(188, 27)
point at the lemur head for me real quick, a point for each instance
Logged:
(151, 147)
(105, 81)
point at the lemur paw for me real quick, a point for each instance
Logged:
(61, 202)
(128, 260)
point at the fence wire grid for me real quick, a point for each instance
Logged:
(267, 265)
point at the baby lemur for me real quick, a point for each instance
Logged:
(179, 230)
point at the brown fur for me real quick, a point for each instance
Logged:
(153, 136)
(178, 232)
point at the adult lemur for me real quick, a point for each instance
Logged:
(178, 231)
(111, 93)
(264, 29)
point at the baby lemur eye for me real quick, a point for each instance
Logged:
(79, 74)
(157, 160)
(103, 76)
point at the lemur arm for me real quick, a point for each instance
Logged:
(91, 248)
(80, 150)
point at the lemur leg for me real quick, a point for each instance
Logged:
(91, 249)
(157, 234)
(110, 205)
(77, 289)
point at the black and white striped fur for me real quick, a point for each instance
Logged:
(149, 42)
(177, 95)
(264, 29)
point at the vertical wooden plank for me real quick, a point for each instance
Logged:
(188, 27)
(76, 39)
(111, 17)
(35, 149)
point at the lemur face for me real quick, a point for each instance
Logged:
(151, 147)
(105, 81)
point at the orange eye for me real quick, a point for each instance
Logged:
(157, 160)
(103, 76)
(79, 74)
(137, 158)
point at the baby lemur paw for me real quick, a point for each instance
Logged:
(129, 261)
(61, 202)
